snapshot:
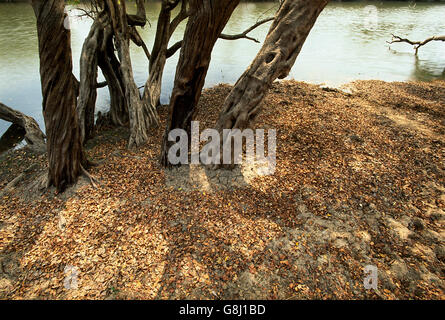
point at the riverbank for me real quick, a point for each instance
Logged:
(363, 53)
(360, 180)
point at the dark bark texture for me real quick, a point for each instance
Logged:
(142, 116)
(88, 77)
(206, 22)
(111, 69)
(64, 145)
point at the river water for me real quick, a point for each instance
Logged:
(347, 43)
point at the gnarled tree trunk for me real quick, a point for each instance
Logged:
(206, 22)
(118, 26)
(287, 34)
(111, 66)
(33, 135)
(88, 76)
(161, 52)
(64, 145)
(111, 69)
(142, 116)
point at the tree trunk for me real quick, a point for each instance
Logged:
(88, 77)
(111, 69)
(158, 58)
(164, 31)
(206, 22)
(142, 116)
(64, 145)
(283, 43)
(33, 135)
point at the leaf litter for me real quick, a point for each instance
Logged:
(359, 181)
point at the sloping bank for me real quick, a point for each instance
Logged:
(359, 181)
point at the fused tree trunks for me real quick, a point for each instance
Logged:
(64, 145)
(283, 43)
(112, 31)
(206, 22)
(160, 52)
(142, 116)
(111, 70)
(33, 135)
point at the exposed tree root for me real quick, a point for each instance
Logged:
(93, 180)
(17, 180)
(38, 185)
(41, 184)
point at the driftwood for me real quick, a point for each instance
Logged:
(34, 136)
(416, 44)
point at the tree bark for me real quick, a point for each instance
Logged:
(88, 77)
(206, 22)
(283, 43)
(111, 69)
(33, 135)
(64, 145)
(159, 55)
(142, 116)
(158, 58)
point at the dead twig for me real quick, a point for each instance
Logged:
(416, 44)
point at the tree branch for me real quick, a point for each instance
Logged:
(139, 19)
(172, 50)
(182, 15)
(137, 39)
(244, 35)
(416, 44)
(101, 84)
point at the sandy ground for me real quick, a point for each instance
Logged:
(360, 180)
